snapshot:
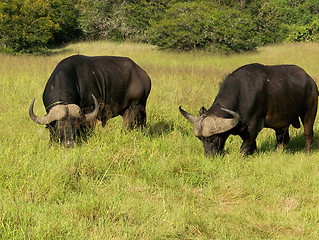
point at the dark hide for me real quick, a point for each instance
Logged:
(264, 96)
(120, 86)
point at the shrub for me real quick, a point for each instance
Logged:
(32, 25)
(307, 33)
(138, 14)
(66, 14)
(119, 20)
(269, 26)
(96, 19)
(204, 25)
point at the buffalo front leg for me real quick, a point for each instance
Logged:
(249, 145)
(134, 117)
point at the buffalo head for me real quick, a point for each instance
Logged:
(66, 123)
(211, 129)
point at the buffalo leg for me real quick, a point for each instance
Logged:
(134, 116)
(308, 131)
(249, 145)
(282, 136)
(309, 140)
(308, 121)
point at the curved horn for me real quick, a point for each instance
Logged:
(193, 119)
(91, 116)
(213, 125)
(196, 121)
(235, 115)
(74, 110)
(31, 113)
(56, 113)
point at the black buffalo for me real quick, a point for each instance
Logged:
(84, 89)
(257, 96)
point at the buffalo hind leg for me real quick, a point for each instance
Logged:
(282, 136)
(308, 121)
(134, 117)
(308, 131)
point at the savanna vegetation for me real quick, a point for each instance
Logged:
(227, 26)
(153, 183)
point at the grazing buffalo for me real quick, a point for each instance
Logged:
(84, 89)
(253, 97)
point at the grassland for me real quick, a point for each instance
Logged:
(154, 183)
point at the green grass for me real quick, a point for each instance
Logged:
(154, 183)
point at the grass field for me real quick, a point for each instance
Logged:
(154, 183)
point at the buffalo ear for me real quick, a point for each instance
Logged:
(202, 110)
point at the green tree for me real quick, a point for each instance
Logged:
(33, 25)
(299, 19)
(139, 13)
(269, 26)
(66, 14)
(96, 18)
(305, 33)
(120, 19)
(204, 25)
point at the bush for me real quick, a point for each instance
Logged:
(139, 13)
(217, 25)
(297, 12)
(269, 26)
(307, 33)
(119, 20)
(32, 25)
(66, 14)
(96, 19)
(204, 25)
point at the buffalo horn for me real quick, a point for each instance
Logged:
(92, 115)
(56, 113)
(235, 115)
(193, 119)
(196, 121)
(74, 110)
(213, 125)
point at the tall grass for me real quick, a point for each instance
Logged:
(154, 183)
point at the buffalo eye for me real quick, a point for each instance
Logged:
(202, 110)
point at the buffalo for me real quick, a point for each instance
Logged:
(82, 90)
(254, 97)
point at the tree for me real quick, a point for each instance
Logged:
(305, 33)
(96, 18)
(120, 20)
(32, 25)
(66, 14)
(204, 25)
(269, 26)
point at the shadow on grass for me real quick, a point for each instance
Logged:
(159, 128)
(295, 145)
(298, 144)
(162, 128)
(39, 52)
(52, 52)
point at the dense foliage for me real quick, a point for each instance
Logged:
(215, 25)
(32, 25)
(202, 25)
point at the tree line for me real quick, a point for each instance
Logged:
(229, 26)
